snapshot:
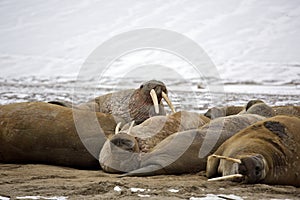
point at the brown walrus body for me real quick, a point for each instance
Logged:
(181, 152)
(39, 132)
(266, 152)
(131, 105)
(287, 110)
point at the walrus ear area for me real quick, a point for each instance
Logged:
(277, 128)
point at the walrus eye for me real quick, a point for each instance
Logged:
(141, 86)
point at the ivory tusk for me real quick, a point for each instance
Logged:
(222, 178)
(166, 98)
(117, 128)
(155, 100)
(228, 158)
(130, 127)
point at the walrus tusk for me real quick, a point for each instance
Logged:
(117, 128)
(228, 158)
(166, 98)
(130, 127)
(155, 100)
(222, 178)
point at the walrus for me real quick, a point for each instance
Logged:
(132, 104)
(265, 152)
(39, 132)
(148, 134)
(181, 152)
(287, 110)
(253, 106)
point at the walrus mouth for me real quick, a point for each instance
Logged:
(227, 177)
(155, 101)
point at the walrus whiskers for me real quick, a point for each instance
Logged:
(118, 128)
(131, 125)
(228, 177)
(227, 158)
(155, 100)
(166, 98)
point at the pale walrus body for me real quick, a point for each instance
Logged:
(39, 132)
(181, 152)
(266, 152)
(132, 104)
(144, 137)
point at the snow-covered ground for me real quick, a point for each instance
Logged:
(254, 44)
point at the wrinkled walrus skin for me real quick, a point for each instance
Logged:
(44, 133)
(182, 152)
(269, 152)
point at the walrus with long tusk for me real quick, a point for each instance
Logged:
(181, 152)
(44, 133)
(132, 104)
(266, 152)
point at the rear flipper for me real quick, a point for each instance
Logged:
(150, 170)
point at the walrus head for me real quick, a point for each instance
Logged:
(245, 168)
(120, 153)
(260, 108)
(253, 168)
(146, 101)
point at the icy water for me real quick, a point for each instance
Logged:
(190, 95)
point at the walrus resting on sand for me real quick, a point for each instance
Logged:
(266, 152)
(132, 104)
(181, 152)
(44, 133)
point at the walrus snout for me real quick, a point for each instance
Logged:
(252, 167)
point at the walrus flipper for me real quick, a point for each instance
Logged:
(150, 170)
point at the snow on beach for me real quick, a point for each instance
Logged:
(253, 44)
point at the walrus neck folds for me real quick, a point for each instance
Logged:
(141, 106)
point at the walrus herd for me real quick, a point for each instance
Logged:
(129, 133)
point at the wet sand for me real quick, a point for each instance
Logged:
(67, 183)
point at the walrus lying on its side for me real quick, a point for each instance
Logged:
(145, 136)
(44, 133)
(132, 104)
(266, 152)
(182, 152)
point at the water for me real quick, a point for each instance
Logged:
(185, 95)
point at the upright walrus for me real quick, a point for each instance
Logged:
(266, 152)
(181, 152)
(132, 104)
(40, 132)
